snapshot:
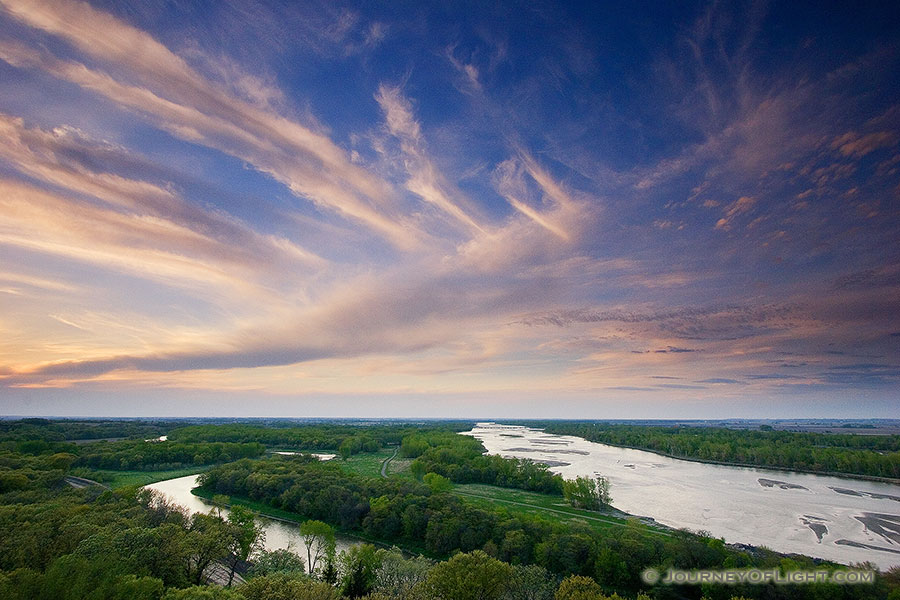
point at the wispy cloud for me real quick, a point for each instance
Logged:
(182, 101)
(737, 208)
(331, 199)
(425, 180)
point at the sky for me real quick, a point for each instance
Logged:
(465, 209)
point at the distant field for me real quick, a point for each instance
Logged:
(400, 467)
(549, 507)
(369, 464)
(120, 479)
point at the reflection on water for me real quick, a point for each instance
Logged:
(844, 520)
(279, 534)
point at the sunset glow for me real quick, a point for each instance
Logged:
(535, 209)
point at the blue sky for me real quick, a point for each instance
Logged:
(508, 210)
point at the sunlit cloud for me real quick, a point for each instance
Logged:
(187, 105)
(424, 178)
(362, 206)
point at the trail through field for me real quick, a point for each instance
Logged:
(387, 461)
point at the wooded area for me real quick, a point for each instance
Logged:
(60, 543)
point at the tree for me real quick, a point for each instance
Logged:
(207, 540)
(329, 572)
(246, 536)
(437, 483)
(203, 592)
(319, 540)
(587, 493)
(413, 446)
(132, 587)
(346, 448)
(358, 568)
(531, 583)
(287, 587)
(473, 576)
(270, 562)
(398, 576)
(515, 548)
(21, 584)
(577, 587)
(603, 491)
(220, 503)
(417, 468)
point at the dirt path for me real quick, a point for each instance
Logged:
(81, 482)
(387, 461)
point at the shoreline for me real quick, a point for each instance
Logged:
(873, 478)
(299, 520)
(707, 461)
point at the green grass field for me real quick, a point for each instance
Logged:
(399, 467)
(369, 463)
(549, 507)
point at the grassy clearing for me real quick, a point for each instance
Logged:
(366, 463)
(120, 479)
(399, 467)
(549, 507)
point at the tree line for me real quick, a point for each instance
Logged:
(61, 430)
(440, 524)
(138, 455)
(60, 543)
(870, 455)
(313, 437)
(461, 459)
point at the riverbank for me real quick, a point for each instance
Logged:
(276, 514)
(788, 511)
(122, 479)
(750, 465)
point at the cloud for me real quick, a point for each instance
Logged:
(854, 145)
(735, 209)
(536, 235)
(65, 158)
(141, 245)
(868, 279)
(511, 184)
(183, 102)
(569, 317)
(36, 282)
(680, 386)
(424, 178)
(468, 70)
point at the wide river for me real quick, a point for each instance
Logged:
(844, 520)
(279, 534)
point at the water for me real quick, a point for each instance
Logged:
(279, 534)
(839, 519)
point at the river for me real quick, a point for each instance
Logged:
(279, 534)
(839, 519)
